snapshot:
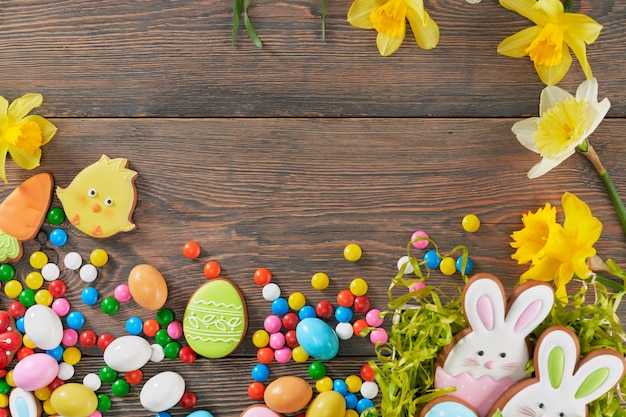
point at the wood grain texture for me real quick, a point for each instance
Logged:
(175, 59)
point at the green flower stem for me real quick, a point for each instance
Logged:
(324, 7)
(567, 5)
(593, 157)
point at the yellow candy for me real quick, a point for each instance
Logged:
(351, 413)
(358, 287)
(324, 384)
(320, 281)
(13, 288)
(74, 400)
(43, 394)
(354, 382)
(9, 378)
(471, 223)
(260, 338)
(296, 301)
(4, 401)
(27, 342)
(352, 252)
(44, 297)
(72, 355)
(299, 355)
(447, 265)
(38, 259)
(34, 280)
(47, 407)
(99, 257)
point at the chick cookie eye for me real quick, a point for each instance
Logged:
(481, 352)
(541, 405)
(503, 355)
(92, 192)
(561, 414)
(108, 202)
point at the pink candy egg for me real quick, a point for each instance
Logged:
(35, 371)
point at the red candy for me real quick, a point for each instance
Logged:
(212, 269)
(55, 384)
(16, 309)
(188, 400)
(24, 352)
(361, 304)
(265, 355)
(192, 250)
(262, 276)
(57, 288)
(134, 377)
(290, 321)
(105, 340)
(87, 339)
(358, 327)
(345, 298)
(256, 390)
(291, 339)
(187, 355)
(324, 309)
(367, 373)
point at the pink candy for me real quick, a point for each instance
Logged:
(61, 306)
(272, 324)
(122, 293)
(420, 244)
(175, 330)
(282, 355)
(379, 336)
(70, 337)
(277, 340)
(372, 318)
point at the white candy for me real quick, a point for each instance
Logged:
(92, 381)
(162, 392)
(405, 260)
(88, 273)
(66, 371)
(72, 261)
(344, 331)
(43, 327)
(50, 271)
(369, 389)
(271, 291)
(158, 354)
(127, 353)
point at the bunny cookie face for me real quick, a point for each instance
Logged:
(562, 387)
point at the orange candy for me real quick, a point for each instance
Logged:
(151, 327)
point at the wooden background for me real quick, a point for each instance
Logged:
(277, 157)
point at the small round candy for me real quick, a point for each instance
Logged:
(306, 312)
(72, 355)
(290, 321)
(358, 326)
(470, 223)
(24, 352)
(280, 306)
(416, 286)
(447, 265)
(70, 337)
(343, 314)
(122, 293)
(110, 305)
(44, 297)
(187, 355)
(188, 400)
(175, 330)
(358, 286)
(58, 237)
(277, 340)
(151, 327)
(317, 370)
(56, 216)
(469, 265)
(157, 354)
(364, 404)
(38, 259)
(34, 280)
(134, 325)
(354, 382)
(104, 403)
(420, 244)
(171, 349)
(212, 269)
(282, 355)
(291, 338)
(61, 306)
(320, 281)
(7, 272)
(352, 252)
(345, 298)
(192, 250)
(98, 257)
(405, 262)
(324, 384)
(369, 389)
(104, 340)
(16, 310)
(92, 381)
(162, 338)
(361, 304)
(5, 388)
(260, 372)
(56, 353)
(351, 402)
(344, 331)
(296, 301)
(50, 271)
(265, 355)
(272, 324)
(89, 296)
(271, 291)
(75, 320)
(262, 276)
(373, 319)
(256, 390)
(19, 323)
(379, 335)
(88, 273)
(66, 371)
(87, 339)
(27, 297)
(324, 309)
(260, 338)
(299, 354)
(57, 288)
(72, 261)
(340, 386)
(165, 316)
(134, 377)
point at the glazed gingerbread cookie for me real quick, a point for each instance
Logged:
(485, 359)
(215, 320)
(22, 213)
(101, 199)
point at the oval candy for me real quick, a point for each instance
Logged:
(127, 353)
(215, 320)
(162, 392)
(317, 338)
(43, 327)
(327, 404)
(147, 286)
(74, 400)
(22, 403)
(258, 410)
(35, 371)
(288, 394)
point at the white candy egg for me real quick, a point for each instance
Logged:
(43, 327)
(162, 392)
(127, 353)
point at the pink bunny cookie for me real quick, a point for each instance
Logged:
(489, 356)
(562, 386)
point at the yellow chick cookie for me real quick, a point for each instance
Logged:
(101, 198)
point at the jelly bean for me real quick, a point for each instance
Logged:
(447, 266)
(175, 330)
(89, 296)
(38, 259)
(290, 321)
(404, 262)
(272, 324)
(260, 338)
(192, 250)
(34, 280)
(72, 261)
(88, 273)
(296, 301)
(212, 269)
(469, 265)
(134, 325)
(122, 293)
(50, 272)
(282, 355)
(344, 331)
(7, 272)
(165, 316)
(277, 340)
(379, 335)
(306, 312)
(373, 317)
(345, 298)
(324, 309)
(271, 291)
(280, 306)
(58, 237)
(262, 276)
(470, 223)
(99, 257)
(423, 236)
(352, 252)
(320, 281)
(110, 305)
(260, 372)
(361, 304)
(148, 287)
(343, 314)
(55, 216)
(75, 320)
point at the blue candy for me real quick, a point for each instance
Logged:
(317, 338)
(260, 372)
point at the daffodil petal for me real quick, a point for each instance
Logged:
(515, 45)
(4, 106)
(602, 109)
(550, 97)
(426, 33)
(359, 13)
(545, 165)
(580, 26)
(25, 159)
(552, 8)
(561, 294)
(20, 107)
(387, 45)
(526, 9)
(553, 74)
(579, 220)
(3, 160)
(417, 7)
(588, 91)
(48, 129)
(524, 130)
(580, 50)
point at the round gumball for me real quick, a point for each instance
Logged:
(187, 355)
(320, 281)
(151, 327)
(290, 321)
(7, 272)
(361, 304)
(343, 314)
(324, 309)
(55, 216)
(122, 293)
(98, 257)
(291, 338)
(420, 239)
(256, 390)
(345, 298)
(260, 372)
(306, 312)
(470, 223)
(134, 325)
(165, 316)
(188, 400)
(358, 286)
(57, 288)
(58, 237)
(192, 250)
(104, 340)
(262, 276)
(120, 388)
(317, 370)
(87, 339)
(110, 305)
(358, 326)
(260, 338)
(212, 269)
(271, 292)
(89, 296)
(352, 252)
(134, 377)
(265, 355)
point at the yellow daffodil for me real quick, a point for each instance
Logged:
(531, 240)
(564, 124)
(567, 247)
(548, 43)
(389, 18)
(21, 135)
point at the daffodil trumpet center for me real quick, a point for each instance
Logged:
(25, 136)
(390, 18)
(561, 128)
(547, 48)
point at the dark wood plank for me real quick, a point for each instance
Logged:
(170, 59)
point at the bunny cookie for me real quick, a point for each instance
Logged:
(562, 386)
(489, 356)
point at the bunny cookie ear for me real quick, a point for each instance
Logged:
(483, 303)
(529, 304)
(599, 372)
(556, 355)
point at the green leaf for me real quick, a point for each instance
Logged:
(249, 27)
(237, 6)
(324, 7)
